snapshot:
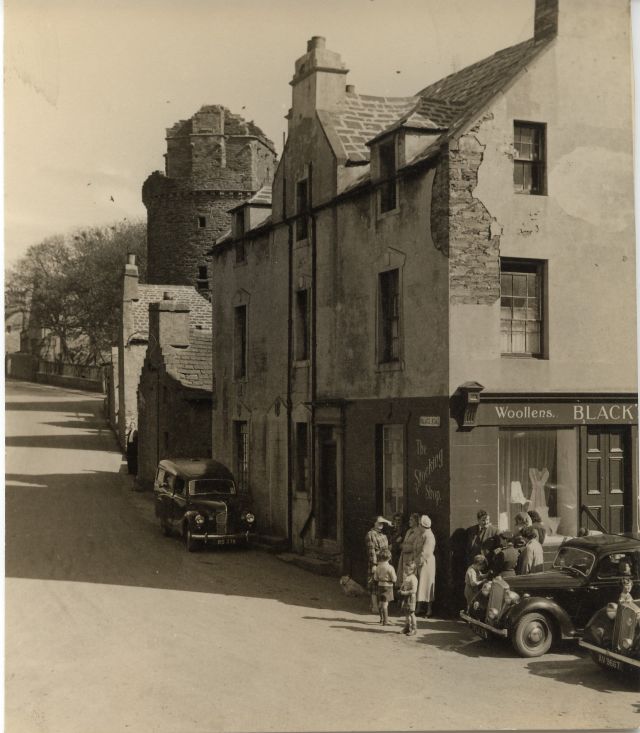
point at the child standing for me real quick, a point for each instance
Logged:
(474, 578)
(408, 591)
(385, 576)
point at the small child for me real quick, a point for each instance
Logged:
(386, 578)
(474, 578)
(408, 591)
(627, 587)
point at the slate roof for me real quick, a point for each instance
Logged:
(192, 366)
(199, 307)
(260, 198)
(444, 106)
(360, 117)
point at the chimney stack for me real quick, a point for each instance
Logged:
(169, 322)
(131, 278)
(546, 19)
(318, 81)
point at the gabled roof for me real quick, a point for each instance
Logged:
(192, 366)
(444, 106)
(199, 307)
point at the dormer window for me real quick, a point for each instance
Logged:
(387, 168)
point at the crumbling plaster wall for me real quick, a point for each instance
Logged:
(582, 229)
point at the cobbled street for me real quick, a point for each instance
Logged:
(112, 627)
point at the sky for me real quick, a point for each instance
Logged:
(92, 85)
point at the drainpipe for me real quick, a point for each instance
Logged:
(314, 351)
(289, 368)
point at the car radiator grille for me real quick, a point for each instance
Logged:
(221, 522)
(626, 625)
(496, 598)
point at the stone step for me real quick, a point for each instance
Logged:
(270, 543)
(312, 564)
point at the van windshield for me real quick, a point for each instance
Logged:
(201, 486)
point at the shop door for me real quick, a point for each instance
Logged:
(606, 485)
(327, 484)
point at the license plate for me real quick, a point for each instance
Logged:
(226, 541)
(608, 662)
(483, 633)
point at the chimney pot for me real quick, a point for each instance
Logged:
(131, 258)
(350, 88)
(316, 42)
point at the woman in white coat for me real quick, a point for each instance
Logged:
(426, 565)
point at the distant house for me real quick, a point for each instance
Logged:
(134, 338)
(175, 389)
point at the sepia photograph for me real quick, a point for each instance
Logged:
(321, 366)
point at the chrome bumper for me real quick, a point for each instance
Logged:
(474, 622)
(221, 539)
(611, 655)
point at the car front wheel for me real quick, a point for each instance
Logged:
(190, 543)
(533, 635)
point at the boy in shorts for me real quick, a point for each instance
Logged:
(408, 591)
(386, 578)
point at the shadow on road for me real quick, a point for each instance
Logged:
(90, 527)
(583, 673)
(80, 406)
(94, 441)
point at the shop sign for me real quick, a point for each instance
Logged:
(429, 421)
(557, 413)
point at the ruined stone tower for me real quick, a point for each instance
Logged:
(213, 160)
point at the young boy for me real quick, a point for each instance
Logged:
(385, 576)
(408, 591)
(474, 578)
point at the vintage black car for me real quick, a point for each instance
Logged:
(533, 611)
(199, 500)
(613, 638)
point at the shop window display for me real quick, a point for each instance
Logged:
(539, 470)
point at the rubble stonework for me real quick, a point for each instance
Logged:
(474, 253)
(214, 160)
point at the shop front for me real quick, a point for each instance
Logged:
(572, 459)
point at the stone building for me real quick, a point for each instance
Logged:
(214, 160)
(175, 389)
(134, 339)
(440, 314)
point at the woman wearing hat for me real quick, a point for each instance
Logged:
(375, 540)
(426, 564)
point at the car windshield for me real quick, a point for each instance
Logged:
(573, 558)
(211, 486)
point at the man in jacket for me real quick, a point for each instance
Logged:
(480, 537)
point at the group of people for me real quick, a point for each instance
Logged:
(413, 578)
(490, 553)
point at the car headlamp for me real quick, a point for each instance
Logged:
(486, 589)
(249, 517)
(512, 596)
(476, 605)
(626, 643)
(493, 613)
(200, 520)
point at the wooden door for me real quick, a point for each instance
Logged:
(606, 483)
(327, 505)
